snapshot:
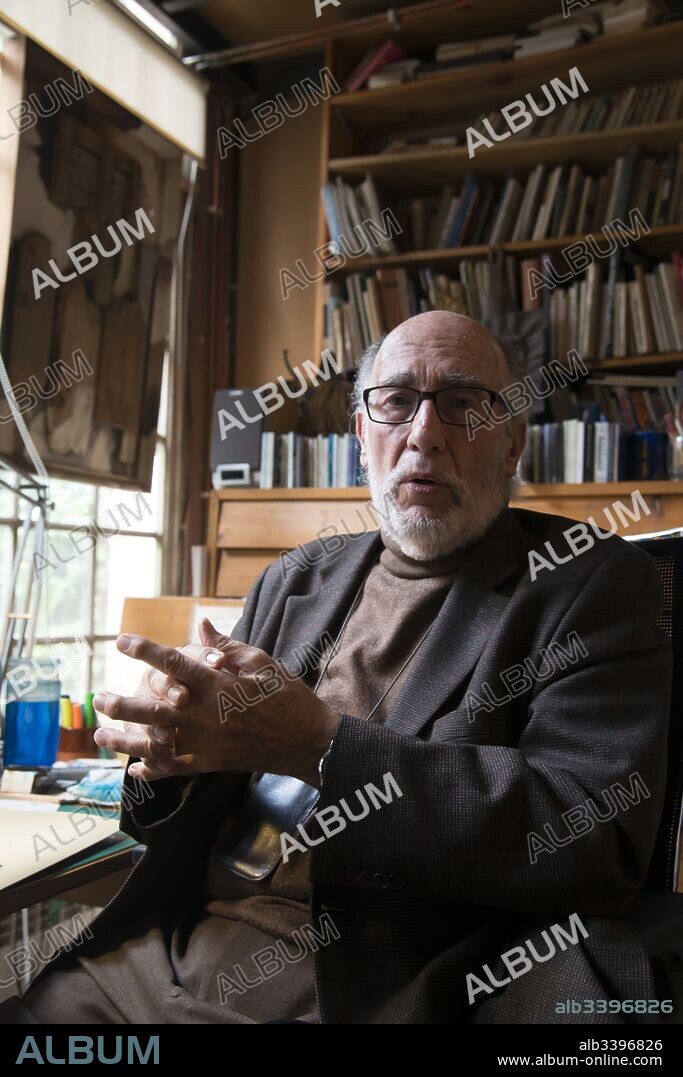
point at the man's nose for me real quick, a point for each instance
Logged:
(426, 430)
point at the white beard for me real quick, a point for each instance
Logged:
(470, 516)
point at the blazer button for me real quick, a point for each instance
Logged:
(397, 882)
(380, 881)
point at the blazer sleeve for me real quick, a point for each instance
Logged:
(148, 809)
(461, 827)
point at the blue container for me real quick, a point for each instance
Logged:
(31, 713)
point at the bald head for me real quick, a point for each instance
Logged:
(439, 332)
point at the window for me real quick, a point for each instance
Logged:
(103, 545)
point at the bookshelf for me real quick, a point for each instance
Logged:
(346, 133)
(434, 166)
(638, 58)
(659, 241)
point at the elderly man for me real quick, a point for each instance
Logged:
(412, 828)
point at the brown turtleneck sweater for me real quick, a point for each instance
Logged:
(396, 605)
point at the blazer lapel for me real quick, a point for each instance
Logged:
(465, 622)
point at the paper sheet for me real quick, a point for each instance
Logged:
(30, 842)
(223, 618)
(26, 805)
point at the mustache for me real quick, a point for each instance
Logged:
(450, 479)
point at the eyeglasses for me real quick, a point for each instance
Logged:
(392, 404)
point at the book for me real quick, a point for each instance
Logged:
(373, 61)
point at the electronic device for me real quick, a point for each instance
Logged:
(237, 425)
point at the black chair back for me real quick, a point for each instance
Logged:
(667, 553)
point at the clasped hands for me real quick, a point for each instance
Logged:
(177, 723)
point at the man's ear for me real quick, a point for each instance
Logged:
(360, 431)
(516, 440)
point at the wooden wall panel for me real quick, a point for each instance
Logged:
(278, 224)
(166, 620)
(238, 569)
(249, 529)
(260, 525)
(12, 63)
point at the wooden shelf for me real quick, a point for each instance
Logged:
(635, 362)
(432, 167)
(361, 493)
(660, 241)
(467, 92)
(299, 493)
(599, 489)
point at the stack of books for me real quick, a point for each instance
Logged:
(626, 16)
(372, 62)
(388, 65)
(292, 460)
(554, 32)
(474, 50)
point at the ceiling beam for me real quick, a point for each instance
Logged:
(392, 19)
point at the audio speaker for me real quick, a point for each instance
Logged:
(236, 429)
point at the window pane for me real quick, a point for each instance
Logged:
(131, 510)
(8, 506)
(125, 566)
(6, 562)
(65, 606)
(162, 423)
(74, 502)
(114, 672)
(73, 666)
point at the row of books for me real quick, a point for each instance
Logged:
(389, 65)
(577, 451)
(364, 306)
(360, 310)
(637, 402)
(647, 312)
(292, 460)
(633, 107)
(347, 212)
(555, 32)
(549, 203)
(597, 316)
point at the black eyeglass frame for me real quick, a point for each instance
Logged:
(433, 394)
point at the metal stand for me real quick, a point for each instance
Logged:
(22, 611)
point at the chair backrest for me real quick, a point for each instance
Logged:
(667, 553)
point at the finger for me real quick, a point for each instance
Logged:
(210, 655)
(167, 688)
(152, 770)
(240, 656)
(137, 710)
(176, 693)
(167, 660)
(136, 743)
